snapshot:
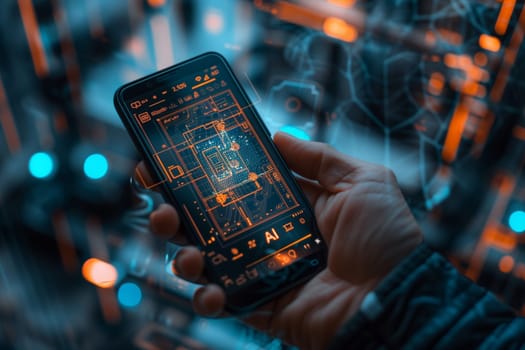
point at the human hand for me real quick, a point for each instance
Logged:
(365, 221)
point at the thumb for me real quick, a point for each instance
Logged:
(316, 161)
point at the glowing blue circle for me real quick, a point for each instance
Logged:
(129, 295)
(96, 166)
(517, 221)
(41, 165)
(296, 132)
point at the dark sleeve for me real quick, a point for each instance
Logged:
(426, 303)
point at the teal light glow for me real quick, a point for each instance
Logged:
(296, 132)
(41, 165)
(517, 221)
(129, 295)
(96, 166)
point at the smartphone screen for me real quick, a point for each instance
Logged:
(216, 163)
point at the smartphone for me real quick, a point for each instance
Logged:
(215, 161)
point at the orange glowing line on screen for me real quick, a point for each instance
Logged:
(505, 13)
(203, 84)
(339, 29)
(29, 20)
(455, 131)
(7, 122)
(99, 273)
(489, 43)
(143, 181)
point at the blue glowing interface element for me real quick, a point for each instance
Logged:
(517, 221)
(129, 295)
(96, 166)
(41, 165)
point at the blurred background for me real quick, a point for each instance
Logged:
(434, 89)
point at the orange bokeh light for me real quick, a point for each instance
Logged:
(342, 3)
(436, 83)
(481, 59)
(339, 29)
(156, 3)
(99, 273)
(505, 14)
(506, 264)
(455, 130)
(214, 22)
(489, 43)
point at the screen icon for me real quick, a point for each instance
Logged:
(227, 281)
(241, 280)
(144, 117)
(217, 259)
(236, 254)
(136, 104)
(288, 227)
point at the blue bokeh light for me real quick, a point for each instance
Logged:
(96, 166)
(296, 132)
(41, 165)
(129, 294)
(517, 221)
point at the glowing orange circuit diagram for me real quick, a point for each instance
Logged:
(214, 156)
